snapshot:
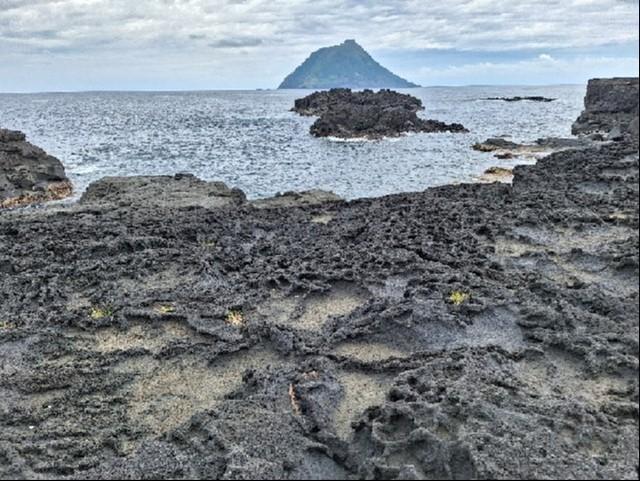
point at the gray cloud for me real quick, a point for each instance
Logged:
(461, 24)
(236, 42)
(275, 35)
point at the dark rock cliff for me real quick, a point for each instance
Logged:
(611, 108)
(27, 174)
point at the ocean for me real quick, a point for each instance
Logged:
(251, 139)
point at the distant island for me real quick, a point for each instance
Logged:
(347, 65)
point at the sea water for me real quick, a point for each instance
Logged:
(252, 140)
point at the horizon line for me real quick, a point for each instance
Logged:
(273, 89)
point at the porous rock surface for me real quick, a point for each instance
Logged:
(470, 331)
(178, 191)
(367, 114)
(611, 108)
(27, 174)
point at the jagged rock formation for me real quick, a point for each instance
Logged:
(465, 332)
(367, 114)
(27, 174)
(346, 65)
(533, 98)
(611, 109)
(506, 149)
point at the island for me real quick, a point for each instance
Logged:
(346, 65)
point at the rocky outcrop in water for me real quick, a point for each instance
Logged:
(534, 98)
(465, 332)
(367, 114)
(506, 149)
(611, 109)
(27, 174)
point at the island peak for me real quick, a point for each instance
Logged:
(347, 65)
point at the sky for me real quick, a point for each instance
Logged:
(70, 45)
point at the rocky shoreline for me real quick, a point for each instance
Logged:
(166, 327)
(505, 149)
(367, 114)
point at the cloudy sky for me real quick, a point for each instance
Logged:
(56, 45)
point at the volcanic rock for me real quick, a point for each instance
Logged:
(178, 191)
(367, 114)
(297, 199)
(497, 174)
(611, 109)
(534, 98)
(28, 175)
(506, 149)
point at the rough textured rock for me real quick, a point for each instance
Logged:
(27, 174)
(534, 98)
(180, 191)
(479, 331)
(297, 199)
(497, 174)
(346, 65)
(611, 108)
(506, 149)
(367, 114)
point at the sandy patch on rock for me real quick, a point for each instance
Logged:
(167, 392)
(361, 391)
(152, 336)
(369, 351)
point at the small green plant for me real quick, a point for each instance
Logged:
(165, 309)
(458, 297)
(100, 312)
(235, 318)
(6, 325)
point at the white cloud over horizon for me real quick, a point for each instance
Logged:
(119, 44)
(534, 71)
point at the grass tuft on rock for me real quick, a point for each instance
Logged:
(100, 312)
(458, 298)
(235, 318)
